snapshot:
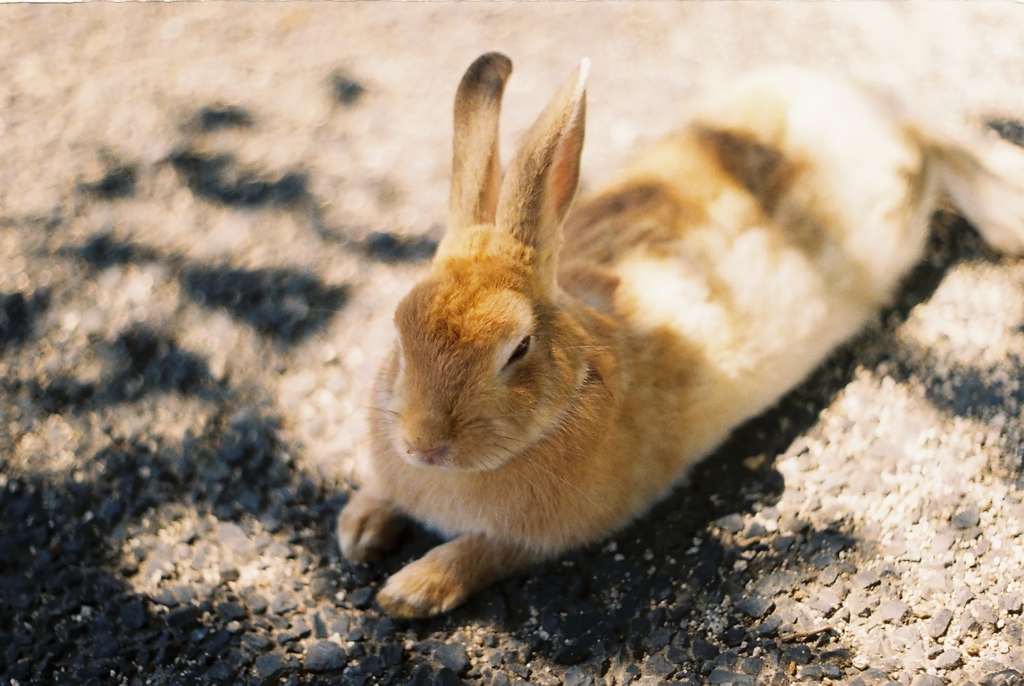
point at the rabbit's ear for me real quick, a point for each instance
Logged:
(544, 175)
(476, 167)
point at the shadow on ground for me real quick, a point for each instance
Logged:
(145, 362)
(67, 611)
(18, 315)
(285, 304)
(79, 544)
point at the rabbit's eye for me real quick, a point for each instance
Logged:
(520, 351)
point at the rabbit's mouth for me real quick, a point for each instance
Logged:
(459, 442)
(472, 452)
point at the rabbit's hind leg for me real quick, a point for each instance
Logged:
(985, 179)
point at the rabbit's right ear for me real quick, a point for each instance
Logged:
(476, 166)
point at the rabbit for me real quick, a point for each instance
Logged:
(559, 370)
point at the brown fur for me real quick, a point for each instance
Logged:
(531, 407)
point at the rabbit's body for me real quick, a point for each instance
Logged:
(708, 280)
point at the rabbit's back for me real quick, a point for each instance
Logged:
(762, 235)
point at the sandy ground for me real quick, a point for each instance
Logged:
(207, 214)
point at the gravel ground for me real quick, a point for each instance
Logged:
(207, 214)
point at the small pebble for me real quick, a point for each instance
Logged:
(963, 596)
(1011, 603)
(452, 656)
(733, 523)
(799, 654)
(446, 676)
(279, 549)
(940, 623)
(325, 656)
(657, 665)
(781, 544)
(133, 615)
(724, 676)
(947, 659)
(966, 519)
(867, 579)
(826, 602)
(832, 671)
(893, 611)
(814, 672)
(574, 676)
(1003, 677)
(756, 608)
(230, 611)
(284, 602)
(271, 667)
(360, 597)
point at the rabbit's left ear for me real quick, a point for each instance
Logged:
(544, 175)
(476, 167)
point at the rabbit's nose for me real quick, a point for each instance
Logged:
(433, 457)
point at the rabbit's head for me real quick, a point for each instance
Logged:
(487, 362)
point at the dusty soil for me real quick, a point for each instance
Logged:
(207, 214)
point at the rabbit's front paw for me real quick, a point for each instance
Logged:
(442, 579)
(367, 527)
(422, 589)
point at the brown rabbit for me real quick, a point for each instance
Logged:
(541, 395)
